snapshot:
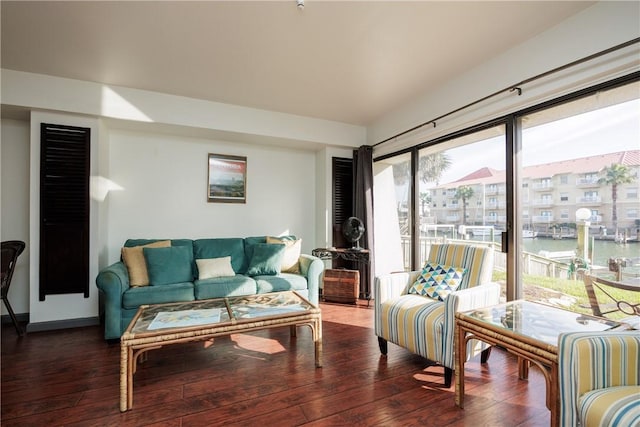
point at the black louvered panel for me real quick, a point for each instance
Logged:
(342, 190)
(342, 170)
(64, 209)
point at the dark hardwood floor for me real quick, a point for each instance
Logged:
(71, 378)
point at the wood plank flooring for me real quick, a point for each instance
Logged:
(71, 378)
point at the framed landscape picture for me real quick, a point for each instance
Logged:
(227, 179)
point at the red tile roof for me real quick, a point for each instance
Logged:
(591, 164)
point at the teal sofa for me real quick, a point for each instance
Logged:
(120, 301)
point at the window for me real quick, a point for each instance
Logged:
(582, 159)
(557, 144)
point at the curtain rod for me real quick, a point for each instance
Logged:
(515, 87)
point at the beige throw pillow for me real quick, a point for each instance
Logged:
(136, 265)
(291, 258)
(214, 267)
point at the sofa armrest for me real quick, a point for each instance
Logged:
(594, 360)
(392, 285)
(312, 267)
(113, 281)
(477, 297)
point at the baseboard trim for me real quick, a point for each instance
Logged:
(63, 324)
(22, 318)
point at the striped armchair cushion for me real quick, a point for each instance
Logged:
(613, 406)
(415, 323)
(477, 260)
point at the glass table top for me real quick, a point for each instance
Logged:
(163, 317)
(539, 321)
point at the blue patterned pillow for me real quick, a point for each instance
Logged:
(437, 281)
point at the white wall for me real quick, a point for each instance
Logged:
(14, 216)
(164, 180)
(67, 306)
(155, 147)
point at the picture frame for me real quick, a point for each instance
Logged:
(226, 179)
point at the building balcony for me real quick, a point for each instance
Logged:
(495, 219)
(542, 186)
(595, 200)
(453, 218)
(587, 182)
(493, 191)
(543, 203)
(496, 205)
(545, 219)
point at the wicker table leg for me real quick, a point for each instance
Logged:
(317, 339)
(460, 354)
(124, 375)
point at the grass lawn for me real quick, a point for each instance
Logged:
(569, 294)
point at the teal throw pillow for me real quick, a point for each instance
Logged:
(168, 265)
(437, 281)
(266, 259)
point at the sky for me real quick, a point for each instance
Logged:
(606, 130)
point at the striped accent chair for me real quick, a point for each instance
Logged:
(599, 377)
(425, 326)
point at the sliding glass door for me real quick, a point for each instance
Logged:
(452, 191)
(554, 189)
(580, 168)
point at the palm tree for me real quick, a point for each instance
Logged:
(425, 199)
(401, 172)
(431, 167)
(614, 175)
(464, 192)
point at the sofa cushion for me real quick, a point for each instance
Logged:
(220, 287)
(174, 242)
(249, 243)
(280, 282)
(215, 267)
(176, 292)
(136, 265)
(168, 265)
(612, 406)
(437, 281)
(218, 248)
(266, 259)
(292, 250)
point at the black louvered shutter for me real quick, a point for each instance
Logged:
(64, 209)
(342, 203)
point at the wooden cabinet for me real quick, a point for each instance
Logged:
(341, 285)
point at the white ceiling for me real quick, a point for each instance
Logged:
(350, 62)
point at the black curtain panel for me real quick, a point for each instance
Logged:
(363, 209)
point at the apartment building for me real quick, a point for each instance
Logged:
(552, 193)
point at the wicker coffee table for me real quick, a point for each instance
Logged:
(528, 330)
(155, 326)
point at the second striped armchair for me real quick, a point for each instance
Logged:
(425, 325)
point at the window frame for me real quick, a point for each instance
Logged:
(514, 184)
